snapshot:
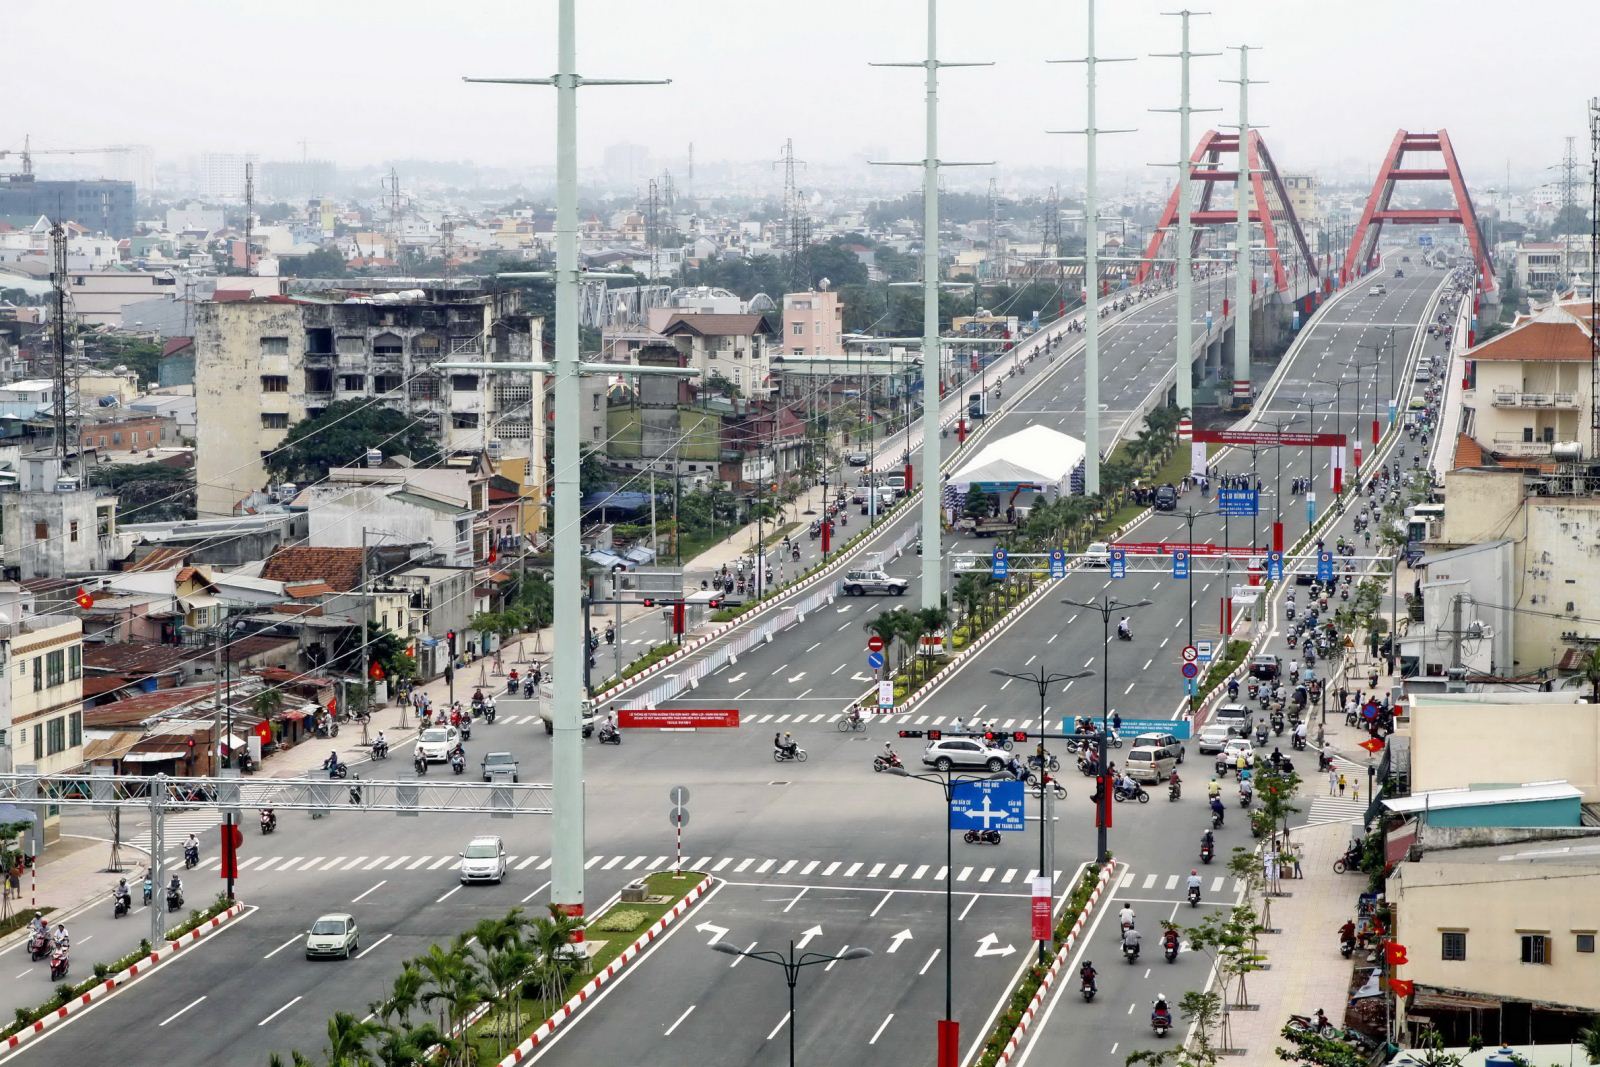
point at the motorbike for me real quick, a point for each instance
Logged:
(1306, 1023)
(1297, 742)
(1169, 947)
(1054, 786)
(1350, 861)
(38, 947)
(191, 856)
(1216, 819)
(420, 763)
(174, 900)
(1347, 945)
(981, 837)
(58, 965)
(1245, 796)
(269, 822)
(1124, 635)
(784, 755)
(1050, 761)
(511, 687)
(1086, 989)
(1174, 791)
(1130, 952)
(148, 889)
(1194, 896)
(336, 770)
(121, 904)
(458, 762)
(1138, 793)
(488, 713)
(883, 763)
(609, 735)
(527, 689)
(380, 750)
(1277, 723)
(1261, 735)
(1161, 1022)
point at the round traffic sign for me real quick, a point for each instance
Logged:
(999, 553)
(1190, 653)
(874, 643)
(1190, 670)
(875, 660)
(678, 817)
(679, 795)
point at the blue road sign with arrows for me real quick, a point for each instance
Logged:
(986, 804)
(1119, 563)
(1275, 566)
(1180, 564)
(1324, 566)
(999, 565)
(875, 660)
(1058, 563)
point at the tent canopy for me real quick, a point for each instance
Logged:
(1036, 457)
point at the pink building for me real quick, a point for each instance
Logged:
(813, 324)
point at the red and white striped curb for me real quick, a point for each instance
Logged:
(1032, 1010)
(577, 1000)
(117, 981)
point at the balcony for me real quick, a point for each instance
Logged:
(1512, 444)
(1511, 398)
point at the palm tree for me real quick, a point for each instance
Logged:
(267, 702)
(970, 591)
(550, 938)
(347, 1039)
(1589, 1041)
(928, 621)
(438, 967)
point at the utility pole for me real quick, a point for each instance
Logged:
(249, 213)
(1091, 266)
(58, 342)
(1185, 250)
(932, 352)
(567, 699)
(1243, 270)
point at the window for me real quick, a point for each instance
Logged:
(57, 729)
(1585, 943)
(1535, 948)
(274, 420)
(116, 438)
(1527, 434)
(75, 662)
(1454, 945)
(72, 530)
(387, 344)
(597, 401)
(799, 329)
(354, 383)
(274, 346)
(270, 383)
(150, 435)
(38, 673)
(38, 743)
(75, 729)
(464, 382)
(55, 667)
(41, 531)
(102, 440)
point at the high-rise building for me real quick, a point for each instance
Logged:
(220, 175)
(101, 205)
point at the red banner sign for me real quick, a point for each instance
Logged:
(1041, 909)
(1166, 548)
(677, 718)
(1267, 437)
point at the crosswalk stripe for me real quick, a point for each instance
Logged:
(721, 864)
(374, 863)
(966, 872)
(899, 869)
(1216, 885)
(744, 865)
(781, 718)
(988, 873)
(524, 862)
(418, 862)
(766, 865)
(921, 870)
(850, 872)
(805, 872)
(1011, 872)
(699, 864)
(1172, 881)
(288, 863)
(440, 862)
(1033, 872)
(398, 860)
(943, 872)
(827, 871)
(788, 865)
(634, 863)
(545, 863)
(1149, 880)
(248, 861)
(921, 720)
(612, 862)
(268, 862)
(939, 721)
(658, 863)
(592, 861)
(1127, 880)
(335, 862)
(876, 867)
(836, 716)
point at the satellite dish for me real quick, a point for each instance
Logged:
(823, 283)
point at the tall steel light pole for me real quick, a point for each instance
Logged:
(1185, 353)
(571, 637)
(1091, 265)
(1106, 606)
(931, 353)
(1042, 682)
(791, 965)
(1242, 270)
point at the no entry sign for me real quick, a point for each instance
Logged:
(874, 643)
(677, 718)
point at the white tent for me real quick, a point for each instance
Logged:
(1037, 458)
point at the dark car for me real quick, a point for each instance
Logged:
(1265, 667)
(1167, 498)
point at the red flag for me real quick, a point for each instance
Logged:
(494, 552)
(1402, 986)
(1394, 953)
(84, 599)
(375, 672)
(1373, 745)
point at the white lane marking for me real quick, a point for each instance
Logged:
(181, 1010)
(448, 893)
(779, 1027)
(281, 947)
(279, 1012)
(879, 1031)
(680, 1019)
(357, 900)
(374, 945)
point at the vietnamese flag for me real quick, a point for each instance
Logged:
(1402, 986)
(83, 599)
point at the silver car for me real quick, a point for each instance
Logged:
(333, 935)
(953, 752)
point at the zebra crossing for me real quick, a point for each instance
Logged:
(1326, 809)
(1169, 883)
(178, 827)
(893, 718)
(975, 877)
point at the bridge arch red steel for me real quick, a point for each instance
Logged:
(1362, 254)
(1268, 196)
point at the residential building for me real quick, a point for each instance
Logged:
(221, 175)
(41, 688)
(1460, 590)
(234, 541)
(128, 435)
(264, 364)
(53, 527)
(813, 324)
(344, 513)
(26, 399)
(97, 205)
(1302, 189)
(1528, 388)
(1554, 266)
(98, 296)
(731, 349)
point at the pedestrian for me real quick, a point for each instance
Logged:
(1341, 786)
(1355, 789)
(1333, 781)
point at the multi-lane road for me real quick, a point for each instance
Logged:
(826, 852)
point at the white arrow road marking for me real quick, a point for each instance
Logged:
(898, 939)
(986, 946)
(716, 932)
(735, 677)
(807, 937)
(797, 677)
(859, 677)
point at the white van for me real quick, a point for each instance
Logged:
(1149, 764)
(1098, 554)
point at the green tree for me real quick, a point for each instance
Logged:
(342, 434)
(147, 492)
(267, 702)
(347, 1040)
(970, 591)
(1573, 218)
(323, 263)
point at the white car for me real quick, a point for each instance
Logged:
(334, 935)
(964, 752)
(484, 860)
(436, 743)
(1236, 747)
(1213, 737)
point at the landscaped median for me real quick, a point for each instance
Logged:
(109, 977)
(1036, 982)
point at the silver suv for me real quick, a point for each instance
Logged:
(964, 752)
(860, 583)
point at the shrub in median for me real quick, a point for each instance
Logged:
(620, 921)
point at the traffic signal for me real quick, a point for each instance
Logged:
(649, 602)
(715, 603)
(450, 640)
(677, 617)
(935, 735)
(988, 737)
(232, 837)
(1019, 735)
(915, 733)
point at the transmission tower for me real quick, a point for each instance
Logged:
(1569, 176)
(249, 213)
(796, 227)
(61, 393)
(688, 178)
(652, 228)
(997, 258)
(391, 186)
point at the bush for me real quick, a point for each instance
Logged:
(620, 922)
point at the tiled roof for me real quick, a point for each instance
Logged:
(708, 325)
(339, 567)
(1551, 336)
(136, 658)
(159, 559)
(303, 590)
(1468, 453)
(174, 345)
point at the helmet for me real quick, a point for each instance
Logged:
(1193, 871)
(786, 733)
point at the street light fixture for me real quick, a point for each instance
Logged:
(1189, 515)
(1106, 606)
(948, 1031)
(791, 965)
(1042, 682)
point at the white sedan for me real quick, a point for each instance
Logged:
(1236, 747)
(437, 742)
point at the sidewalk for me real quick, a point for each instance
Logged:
(1305, 971)
(71, 874)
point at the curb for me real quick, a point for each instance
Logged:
(117, 981)
(565, 1012)
(1048, 982)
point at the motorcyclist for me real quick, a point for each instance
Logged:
(37, 926)
(785, 743)
(1208, 841)
(1160, 1009)
(1217, 808)
(176, 885)
(328, 764)
(60, 937)
(381, 744)
(889, 755)
(1126, 917)
(1194, 875)
(1174, 783)
(1347, 932)
(121, 892)
(1123, 629)
(1213, 788)
(1087, 975)
(1130, 939)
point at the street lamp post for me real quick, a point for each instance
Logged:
(791, 965)
(1042, 682)
(1105, 606)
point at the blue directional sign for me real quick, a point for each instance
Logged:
(1324, 566)
(1275, 566)
(1119, 563)
(1202, 651)
(1180, 563)
(1058, 563)
(1238, 503)
(986, 804)
(1132, 728)
(1425, 240)
(875, 660)
(999, 565)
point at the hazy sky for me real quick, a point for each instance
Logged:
(368, 80)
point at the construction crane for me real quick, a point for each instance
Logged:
(27, 152)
